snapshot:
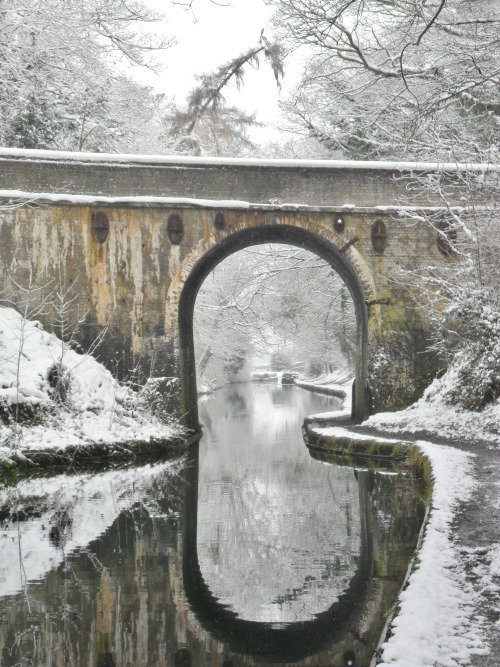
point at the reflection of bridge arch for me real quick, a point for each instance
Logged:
(349, 265)
(287, 641)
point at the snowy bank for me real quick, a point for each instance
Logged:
(445, 615)
(435, 414)
(54, 398)
(435, 621)
(337, 384)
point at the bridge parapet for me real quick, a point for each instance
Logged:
(304, 182)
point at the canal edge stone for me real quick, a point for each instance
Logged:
(358, 447)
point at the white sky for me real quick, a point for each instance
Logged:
(210, 37)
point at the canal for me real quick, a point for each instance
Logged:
(249, 550)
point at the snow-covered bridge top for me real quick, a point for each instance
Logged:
(82, 178)
(172, 160)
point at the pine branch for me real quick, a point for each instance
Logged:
(209, 93)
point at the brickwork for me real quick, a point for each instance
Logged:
(131, 284)
(306, 183)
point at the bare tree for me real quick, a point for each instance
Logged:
(396, 79)
(190, 5)
(61, 73)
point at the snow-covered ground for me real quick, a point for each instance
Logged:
(437, 622)
(434, 414)
(95, 407)
(338, 383)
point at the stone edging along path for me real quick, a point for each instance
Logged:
(21, 460)
(335, 440)
(475, 529)
(339, 437)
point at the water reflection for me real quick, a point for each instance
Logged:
(249, 552)
(331, 620)
(279, 536)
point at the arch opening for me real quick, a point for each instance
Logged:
(279, 234)
(273, 308)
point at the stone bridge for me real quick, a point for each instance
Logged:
(122, 243)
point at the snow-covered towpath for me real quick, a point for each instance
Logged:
(449, 613)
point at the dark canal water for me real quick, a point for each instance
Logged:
(248, 551)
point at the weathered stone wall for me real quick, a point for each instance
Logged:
(127, 284)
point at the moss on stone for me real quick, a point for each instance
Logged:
(355, 445)
(421, 467)
(91, 455)
(355, 448)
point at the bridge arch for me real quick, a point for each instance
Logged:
(280, 642)
(172, 218)
(347, 263)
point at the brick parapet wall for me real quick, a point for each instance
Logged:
(309, 183)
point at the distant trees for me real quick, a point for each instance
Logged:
(64, 83)
(62, 75)
(275, 300)
(224, 317)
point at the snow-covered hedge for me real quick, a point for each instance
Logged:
(477, 362)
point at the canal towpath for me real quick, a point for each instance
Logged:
(470, 521)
